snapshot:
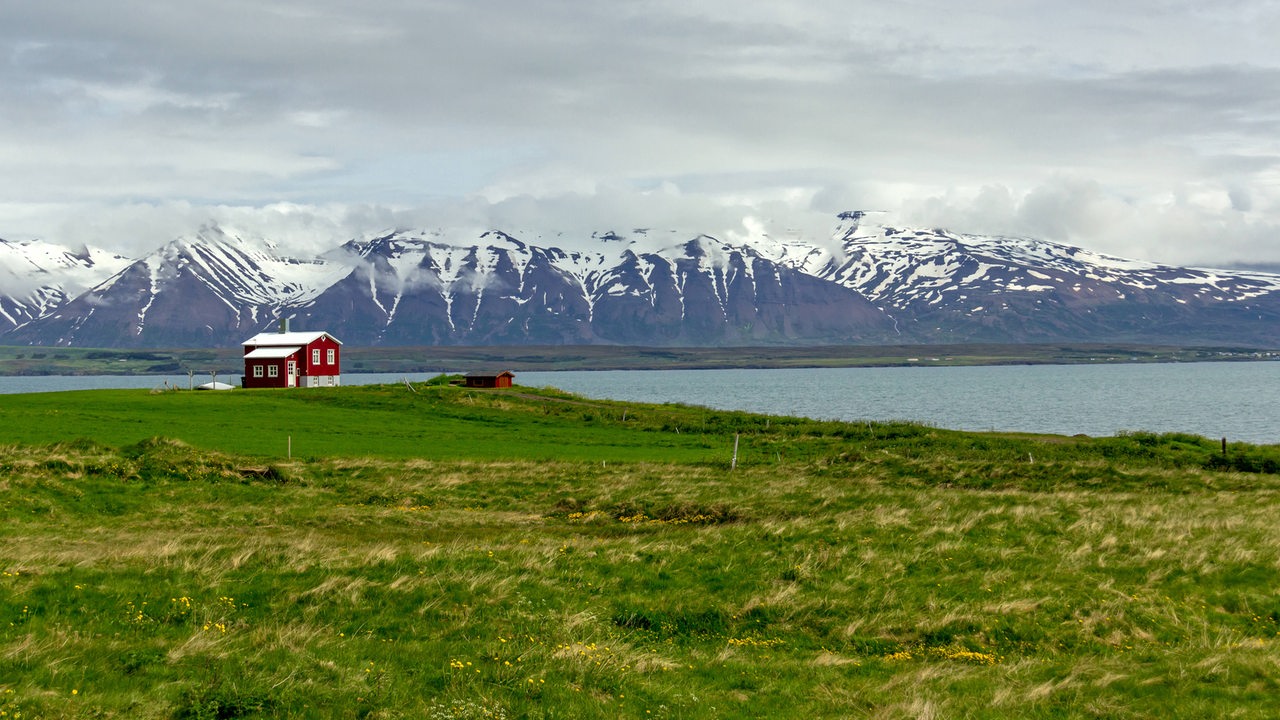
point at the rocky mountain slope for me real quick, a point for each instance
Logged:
(951, 287)
(37, 277)
(865, 283)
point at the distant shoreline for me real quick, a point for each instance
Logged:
(35, 361)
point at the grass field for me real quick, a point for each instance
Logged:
(444, 553)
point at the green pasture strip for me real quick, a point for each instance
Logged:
(874, 571)
(443, 422)
(385, 421)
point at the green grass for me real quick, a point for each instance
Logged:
(385, 421)
(465, 554)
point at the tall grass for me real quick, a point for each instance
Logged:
(842, 570)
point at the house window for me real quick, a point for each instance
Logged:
(257, 371)
(315, 357)
(273, 371)
(330, 356)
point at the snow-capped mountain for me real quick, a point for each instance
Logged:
(414, 288)
(37, 277)
(193, 292)
(956, 287)
(865, 283)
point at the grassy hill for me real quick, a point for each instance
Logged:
(396, 552)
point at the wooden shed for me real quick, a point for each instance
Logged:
(502, 379)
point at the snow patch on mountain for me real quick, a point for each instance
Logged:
(246, 268)
(37, 276)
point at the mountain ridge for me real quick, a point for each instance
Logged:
(866, 283)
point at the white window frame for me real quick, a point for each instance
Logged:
(273, 371)
(331, 356)
(315, 356)
(257, 371)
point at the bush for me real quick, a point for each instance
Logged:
(1247, 462)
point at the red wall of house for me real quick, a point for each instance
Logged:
(489, 381)
(280, 380)
(324, 344)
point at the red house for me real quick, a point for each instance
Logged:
(291, 359)
(489, 379)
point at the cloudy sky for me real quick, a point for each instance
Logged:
(1146, 128)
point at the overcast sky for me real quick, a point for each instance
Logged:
(1144, 128)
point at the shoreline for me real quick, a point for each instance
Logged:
(21, 361)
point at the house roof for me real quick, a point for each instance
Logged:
(271, 353)
(288, 338)
(498, 373)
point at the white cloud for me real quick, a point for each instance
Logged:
(1193, 225)
(1145, 128)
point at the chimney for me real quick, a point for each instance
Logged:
(284, 325)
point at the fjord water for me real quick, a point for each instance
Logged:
(1236, 400)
